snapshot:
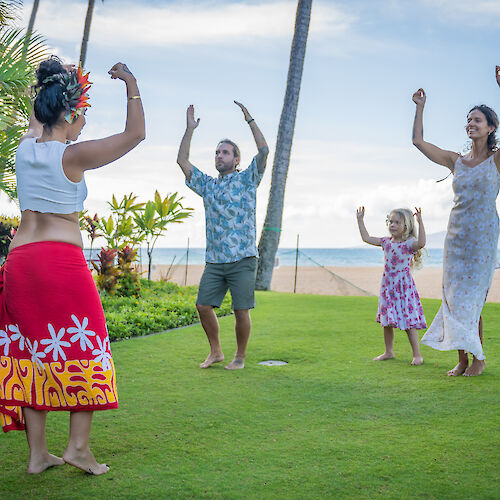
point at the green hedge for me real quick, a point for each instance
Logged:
(162, 305)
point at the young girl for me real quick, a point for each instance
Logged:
(399, 304)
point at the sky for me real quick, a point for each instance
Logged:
(352, 143)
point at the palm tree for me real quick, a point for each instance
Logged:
(86, 32)
(16, 75)
(271, 232)
(31, 24)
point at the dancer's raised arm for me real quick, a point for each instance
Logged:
(372, 240)
(183, 155)
(97, 153)
(261, 143)
(435, 154)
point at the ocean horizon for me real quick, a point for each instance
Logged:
(338, 257)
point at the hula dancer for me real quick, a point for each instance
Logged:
(54, 345)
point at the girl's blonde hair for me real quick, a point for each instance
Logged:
(410, 232)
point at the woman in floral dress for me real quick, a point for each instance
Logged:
(472, 236)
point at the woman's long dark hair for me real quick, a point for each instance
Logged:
(48, 104)
(492, 120)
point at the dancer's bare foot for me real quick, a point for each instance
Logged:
(458, 370)
(84, 460)
(236, 364)
(476, 368)
(43, 463)
(417, 360)
(383, 357)
(212, 359)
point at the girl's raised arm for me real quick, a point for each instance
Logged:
(421, 240)
(93, 154)
(360, 213)
(435, 154)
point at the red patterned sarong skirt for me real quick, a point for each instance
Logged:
(54, 344)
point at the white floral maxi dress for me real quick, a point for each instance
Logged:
(469, 259)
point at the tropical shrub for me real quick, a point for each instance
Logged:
(8, 228)
(128, 277)
(162, 306)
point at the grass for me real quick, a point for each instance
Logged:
(330, 424)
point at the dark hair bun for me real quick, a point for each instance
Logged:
(48, 104)
(49, 67)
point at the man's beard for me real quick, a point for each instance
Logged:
(222, 169)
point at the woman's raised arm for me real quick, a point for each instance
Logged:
(435, 154)
(96, 153)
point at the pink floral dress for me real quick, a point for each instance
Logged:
(399, 304)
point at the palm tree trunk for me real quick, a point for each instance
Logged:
(271, 232)
(31, 24)
(86, 32)
(34, 10)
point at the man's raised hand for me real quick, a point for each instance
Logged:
(191, 122)
(246, 114)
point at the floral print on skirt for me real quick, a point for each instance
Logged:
(54, 344)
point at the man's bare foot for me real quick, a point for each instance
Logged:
(236, 364)
(383, 357)
(458, 370)
(37, 466)
(417, 360)
(476, 368)
(85, 461)
(211, 359)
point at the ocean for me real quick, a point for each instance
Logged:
(357, 257)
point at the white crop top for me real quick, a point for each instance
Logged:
(42, 185)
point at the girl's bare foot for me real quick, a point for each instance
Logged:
(417, 360)
(43, 463)
(476, 368)
(458, 370)
(84, 460)
(211, 359)
(383, 357)
(236, 364)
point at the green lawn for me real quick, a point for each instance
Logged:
(331, 424)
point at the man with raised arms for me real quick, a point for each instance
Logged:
(231, 252)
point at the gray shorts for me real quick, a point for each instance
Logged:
(238, 277)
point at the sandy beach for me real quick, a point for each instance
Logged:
(328, 280)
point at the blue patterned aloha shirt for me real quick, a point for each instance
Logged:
(229, 202)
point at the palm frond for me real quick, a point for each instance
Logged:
(18, 60)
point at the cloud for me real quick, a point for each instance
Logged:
(207, 23)
(479, 12)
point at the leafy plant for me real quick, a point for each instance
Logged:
(161, 306)
(153, 220)
(8, 228)
(107, 272)
(90, 225)
(128, 282)
(118, 229)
